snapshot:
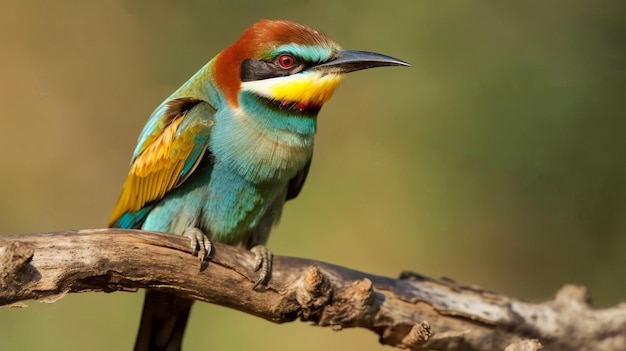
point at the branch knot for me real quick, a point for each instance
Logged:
(313, 292)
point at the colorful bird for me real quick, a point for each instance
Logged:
(223, 153)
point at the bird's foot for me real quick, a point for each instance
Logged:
(263, 264)
(201, 245)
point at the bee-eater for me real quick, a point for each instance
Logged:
(223, 153)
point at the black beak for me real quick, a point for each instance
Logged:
(354, 60)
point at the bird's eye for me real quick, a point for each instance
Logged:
(286, 61)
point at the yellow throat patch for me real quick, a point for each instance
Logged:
(310, 88)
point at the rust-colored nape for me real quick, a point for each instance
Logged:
(254, 43)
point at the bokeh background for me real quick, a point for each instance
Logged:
(497, 159)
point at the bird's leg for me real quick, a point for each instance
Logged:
(200, 245)
(263, 264)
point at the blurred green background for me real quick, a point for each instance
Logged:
(496, 160)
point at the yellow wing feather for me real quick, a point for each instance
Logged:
(154, 172)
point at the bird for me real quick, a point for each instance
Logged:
(218, 158)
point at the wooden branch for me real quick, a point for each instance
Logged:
(412, 311)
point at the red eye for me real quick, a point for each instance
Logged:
(286, 61)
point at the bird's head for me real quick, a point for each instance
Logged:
(288, 66)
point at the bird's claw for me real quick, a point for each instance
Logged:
(263, 264)
(201, 245)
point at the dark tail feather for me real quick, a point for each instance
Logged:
(163, 322)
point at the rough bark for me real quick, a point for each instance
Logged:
(413, 311)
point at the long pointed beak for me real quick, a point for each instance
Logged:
(355, 60)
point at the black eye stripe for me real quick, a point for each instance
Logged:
(259, 69)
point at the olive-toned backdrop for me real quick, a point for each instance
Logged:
(498, 159)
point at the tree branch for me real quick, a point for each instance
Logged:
(412, 311)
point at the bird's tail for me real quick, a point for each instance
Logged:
(163, 322)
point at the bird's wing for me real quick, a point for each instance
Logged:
(297, 182)
(170, 147)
